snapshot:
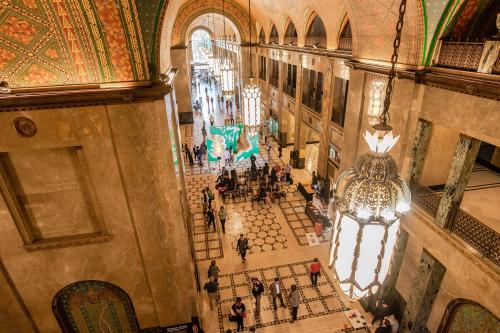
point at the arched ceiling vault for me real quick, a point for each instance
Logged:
(47, 43)
(215, 23)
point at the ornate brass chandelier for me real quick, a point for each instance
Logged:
(370, 200)
(251, 92)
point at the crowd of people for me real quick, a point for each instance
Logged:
(276, 290)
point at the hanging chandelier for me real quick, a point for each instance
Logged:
(370, 200)
(251, 92)
(227, 69)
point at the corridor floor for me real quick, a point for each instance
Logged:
(278, 247)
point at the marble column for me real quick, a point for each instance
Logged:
(267, 91)
(299, 135)
(326, 115)
(425, 289)
(354, 114)
(419, 150)
(461, 168)
(282, 114)
(180, 60)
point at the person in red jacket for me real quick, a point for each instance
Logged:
(315, 271)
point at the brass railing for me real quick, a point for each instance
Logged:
(425, 198)
(460, 55)
(319, 42)
(290, 41)
(345, 44)
(482, 238)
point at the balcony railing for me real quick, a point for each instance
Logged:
(345, 44)
(458, 55)
(482, 238)
(290, 41)
(485, 240)
(319, 42)
(274, 40)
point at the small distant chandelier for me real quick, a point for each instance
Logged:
(370, 200)
(227, 68)
(251, 92)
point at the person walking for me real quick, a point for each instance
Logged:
(280, 151)
(212, 288)
(276, 289)
(190, 158)
(231, 104)
(210, 196)
(212, 101)
(231, 117)
(257, 290)
(268, 152)
(213, 271)
(315, 271)
(212, 119)
(238, 311)
(242, 247)
(227, 157)
(222, 218)
(294, 300)
(204, 132)
(211, 217)
(218, 100)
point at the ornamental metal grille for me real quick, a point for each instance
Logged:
(464, 56)
(485, 240)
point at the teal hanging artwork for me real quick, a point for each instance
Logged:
(224, 137)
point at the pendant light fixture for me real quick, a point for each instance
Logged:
(251, 92)
(227, 70)
(370, 200)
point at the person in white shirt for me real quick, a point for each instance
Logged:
(227, 156)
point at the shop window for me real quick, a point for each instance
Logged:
(340, 91)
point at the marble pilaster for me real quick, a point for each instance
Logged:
(180, 61)
(283, 116)
(326, 115)
(419, 150)
(425, 289)
(299, 139)
(460, 171)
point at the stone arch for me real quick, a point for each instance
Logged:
(456, 318)
(345, 35)
(262, 36)
(194, 8)
(290, 35)
(316, 32)
(274, 36)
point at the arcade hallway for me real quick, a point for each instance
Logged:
(278, 247)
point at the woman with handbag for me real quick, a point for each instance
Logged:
(238, 313)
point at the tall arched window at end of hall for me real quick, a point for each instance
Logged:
(316, 34)
(273, 37)
(345, 38)
(290, 34)
(470, 41)
(262, 36)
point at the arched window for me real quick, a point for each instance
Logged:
(459, 312)
(465, 40)
(82, 306)
(316, 34)
(291, 34)
(273, 37)
(345, 39)
(262, 36)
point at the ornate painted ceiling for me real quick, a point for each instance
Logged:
(60, 42)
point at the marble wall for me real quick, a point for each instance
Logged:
(128, 155)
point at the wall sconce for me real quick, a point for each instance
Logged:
(377, 94)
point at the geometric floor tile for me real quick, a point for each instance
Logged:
(320, 300)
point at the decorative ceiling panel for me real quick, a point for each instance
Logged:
(61, 42)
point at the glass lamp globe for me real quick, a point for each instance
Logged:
(370, 200)
(251, 104)
(227, 77)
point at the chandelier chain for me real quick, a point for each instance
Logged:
(384, 117)
(250, 28)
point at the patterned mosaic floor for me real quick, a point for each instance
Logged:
(314, 301)
(260, 226)
(299, 222)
